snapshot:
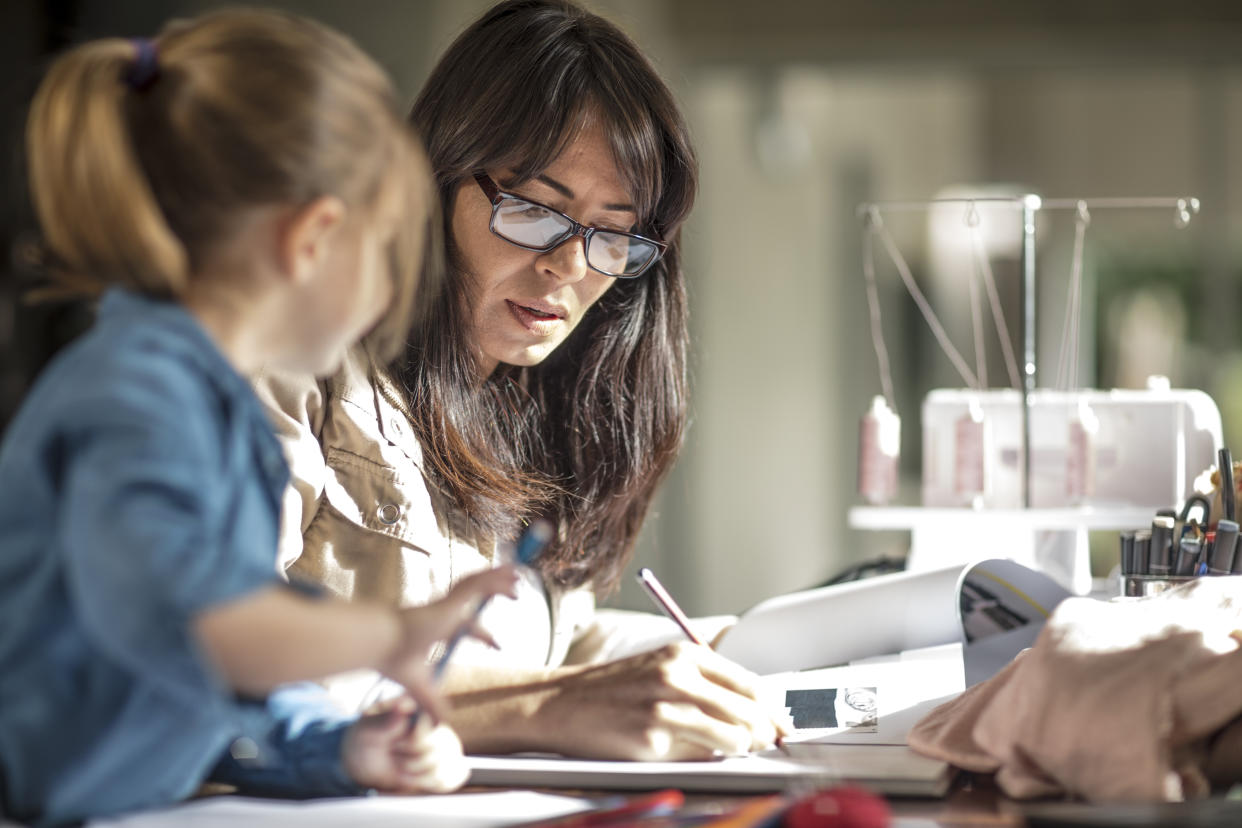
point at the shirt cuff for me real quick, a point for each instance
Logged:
(300, 756)
(317, 760)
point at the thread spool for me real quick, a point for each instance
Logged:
(1080, 455)
(970, 456)
(879, 448)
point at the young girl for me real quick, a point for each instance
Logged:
(244, 194)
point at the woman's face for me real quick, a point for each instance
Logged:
(525, 303)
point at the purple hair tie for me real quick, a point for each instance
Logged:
(144, 70)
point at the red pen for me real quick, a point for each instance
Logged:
(665, 601)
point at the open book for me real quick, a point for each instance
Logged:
(902, 643)
(994, 608)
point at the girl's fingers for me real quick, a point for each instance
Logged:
(415, 739)
(433, 763)
(477, 630)
(441, 619)
(443, 779)
(499, 581)
(426, 698)
(400, 703)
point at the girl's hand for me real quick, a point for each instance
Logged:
(682, 701)
(381, 751)
(422, 627)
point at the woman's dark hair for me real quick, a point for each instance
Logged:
(586, 436)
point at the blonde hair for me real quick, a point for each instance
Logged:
(135, 178)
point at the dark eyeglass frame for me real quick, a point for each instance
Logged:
(496, 195)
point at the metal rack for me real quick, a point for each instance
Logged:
(1184, 207)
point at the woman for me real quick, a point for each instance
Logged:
(549, 380)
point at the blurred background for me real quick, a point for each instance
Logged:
(802, 109)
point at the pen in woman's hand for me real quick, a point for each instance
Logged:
(666, 603)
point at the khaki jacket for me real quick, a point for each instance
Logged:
(361, 518)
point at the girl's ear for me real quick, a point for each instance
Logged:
(306, 237)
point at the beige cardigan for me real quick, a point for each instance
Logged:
(362, 519)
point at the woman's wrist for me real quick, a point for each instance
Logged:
(495, 710)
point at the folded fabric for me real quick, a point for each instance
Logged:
(1135, 700)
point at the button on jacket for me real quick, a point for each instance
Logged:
(363, 519)
(139, 485)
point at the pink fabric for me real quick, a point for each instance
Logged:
(1116, 701)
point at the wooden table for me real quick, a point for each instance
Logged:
(973, 802)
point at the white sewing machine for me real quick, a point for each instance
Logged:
(1104, 449)
(1100, 460)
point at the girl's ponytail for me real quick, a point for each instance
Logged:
(101, 222)
(146, 159)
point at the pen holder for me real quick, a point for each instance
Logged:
(1150, 565)
(1142, 586)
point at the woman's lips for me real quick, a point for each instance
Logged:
(536, 320)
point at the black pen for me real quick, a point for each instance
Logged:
(1220, 559)
(1189, 551)
(666, 603)
(1142, 552)
(1161, 552)
(1228, 495)
(1127, 553)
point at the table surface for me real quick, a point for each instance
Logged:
(974, 802)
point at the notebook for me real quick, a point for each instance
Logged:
(894, 770)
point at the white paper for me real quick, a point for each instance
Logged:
(471, 810)
(874, 702)
(838, 624)
(995, 602)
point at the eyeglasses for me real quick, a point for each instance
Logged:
(535, 226)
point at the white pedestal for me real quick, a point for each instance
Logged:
(1053, 541)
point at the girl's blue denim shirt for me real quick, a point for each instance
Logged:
(140, 483)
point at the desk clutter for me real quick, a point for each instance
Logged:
(835, 807)
(1182, 546)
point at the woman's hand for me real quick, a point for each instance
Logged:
(381, 751)
(454, 614)
(682, 701)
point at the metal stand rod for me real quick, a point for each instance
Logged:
(1189, 203)
(1030, 205)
